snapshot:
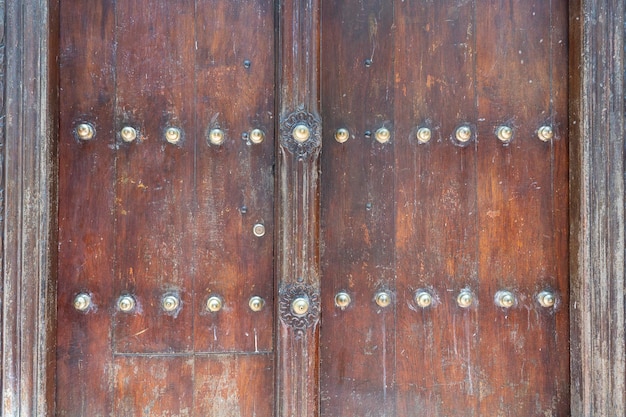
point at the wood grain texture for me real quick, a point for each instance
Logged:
(298, 208)
(436, 206)
(358, 213)
(522, 208)
(86, 211)
(597, 207)
(29, 114)
(234, 72)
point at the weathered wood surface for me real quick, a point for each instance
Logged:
(149, 218)
(597, 307)
(444, 216)
(597, 207)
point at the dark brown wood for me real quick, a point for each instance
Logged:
(358, 214)
(28, 40)
(149, 218)
(522, 207)
(597, 207)
(297, 210)
(439, 370)
(597, 247)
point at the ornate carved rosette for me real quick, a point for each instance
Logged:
(299, 322)
(312, 122)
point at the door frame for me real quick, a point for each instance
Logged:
(28, 181)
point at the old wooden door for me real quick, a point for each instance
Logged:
(215, 259)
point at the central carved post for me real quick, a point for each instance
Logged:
(298, 209)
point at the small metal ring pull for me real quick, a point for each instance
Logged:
(342, 300)
(423, 298)
(504, 133)
(170, 303)
(465, 299)
(342, 135)
(128, 134)
(383, 299)
(258, 230)
(300, 306)
(546, 298)
(463, 134)
(85, 131)
(173, 135)
(382, 135)
(301, 133)
(256, 303)
(216, 136)
(126, 303)
(545, 133)
(505, 299)
(214, 304)
(82, 302)
(424, 135)
(257, 136)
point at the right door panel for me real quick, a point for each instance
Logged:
(459, 218)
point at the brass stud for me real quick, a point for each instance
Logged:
(257, 136)
(85, 131)
(342, 300)
(170, 303)
(424, 134)
(505, 299)
(465, 299)
(258, 230)
(423, 298)
(256, 303)
(128, 134)
(504, 133)
(300, 306)
(546, 298)
(301, 133)
(383, 299)
(463, 134)
(342, 135)
(545, 133)
(126, 303)
(82, 302)
(382, 135)
(173, 135)
(214, 304)
(216, 136)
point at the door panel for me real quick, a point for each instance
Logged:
(480, 216)
(419, 197)
(164, 216)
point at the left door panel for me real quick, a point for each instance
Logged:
(166, 207)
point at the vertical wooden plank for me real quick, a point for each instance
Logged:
(29, 119)
(154, 386)
(523, 353)
(437, 361)
(358, 211)
(298, 208)
(597, 209)
(234, 180)
(154, 181)
(239, 386)
(86, 205)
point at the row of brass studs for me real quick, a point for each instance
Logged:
(463, 134)
(465, 299)
(173, 135)
(170, 303)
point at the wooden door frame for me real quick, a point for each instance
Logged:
(28, 134)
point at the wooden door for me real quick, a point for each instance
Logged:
(212, 261)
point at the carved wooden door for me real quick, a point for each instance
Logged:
(305, 208)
